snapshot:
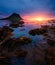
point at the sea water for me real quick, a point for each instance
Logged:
(23, 31)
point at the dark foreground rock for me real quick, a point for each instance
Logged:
(5, 61)
(46, 56)
(24, 40)
(5, 33)
(50, 56)
(11, 48)
(36, 54)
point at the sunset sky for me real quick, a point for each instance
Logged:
(28, 7)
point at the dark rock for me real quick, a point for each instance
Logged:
(11, 48)
(21, 54)
(24, 40)
(50, 56)
(51, 42)
(5, 61)
(16, 25)
(5, 32)
(15, 20)
(38, 31)
(13, 17)
(10, 45)
(7, 28)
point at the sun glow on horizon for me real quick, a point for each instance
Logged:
(41, 17)
(38, 19)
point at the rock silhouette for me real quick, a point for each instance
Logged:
(13, 17)
(15, 20)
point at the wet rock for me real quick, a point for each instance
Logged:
(51, 42)
(38, 31)
(50, 56)
(6, 28)
(5, 32)
(45, 26)
(16, 25)
(22, 54)
(51, 21)
(50, 37)
(11, 48)
(5, 61)
(24, 40)
(36, 54)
